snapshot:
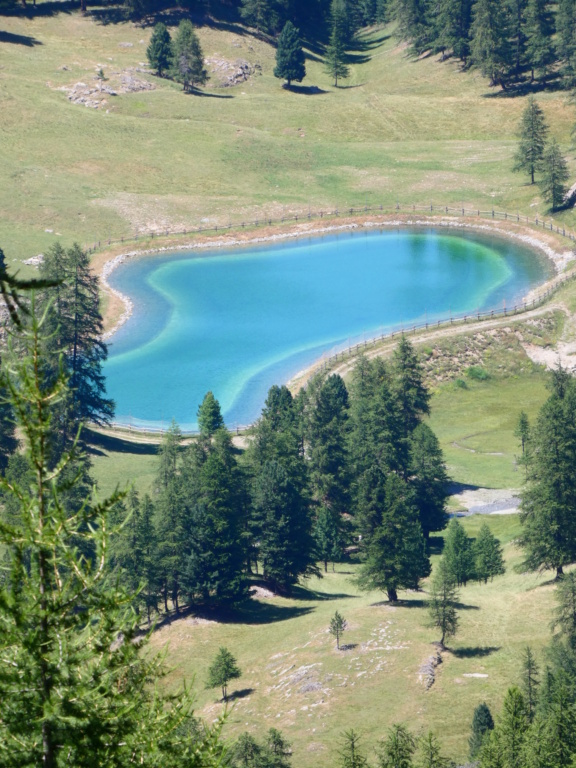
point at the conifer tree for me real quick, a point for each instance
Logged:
(394, 556)
(223, 669)
(489, 49)
(565, 613)
(522, 430)
(482, 724)
(458, 553)
(329, 536)
(517, 22)
(529, 157)
(159, 51)
(187, 57)
(209, 415)
(530, 681)
(429, 479)
(338, 626)
(453, 24)
(412, 395)
(260, 14)
(397, 749)
(549, 528)
(539, 31)
(513, 727)
(351, 754)
(488, 557)
(430, 753)
(290, 59)
(442, 603)
(335, 59)
(413, 17)
(566, 39)
(554, 176)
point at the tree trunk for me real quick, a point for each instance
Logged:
(83, 5)
(392, 595)
(325, 566)
(559, 572)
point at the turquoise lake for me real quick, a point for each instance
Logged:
(237, 321)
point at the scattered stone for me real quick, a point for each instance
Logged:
(96, 96)
(474, 674)
(49, 230)
(125, 45)
(428, 670)
(231, 73)
(35, 261)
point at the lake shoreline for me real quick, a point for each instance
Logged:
(121, 308)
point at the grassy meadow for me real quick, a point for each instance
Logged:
(398, 129)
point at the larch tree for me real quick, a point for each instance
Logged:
(188, 59)
(290, 60)
(566, 39)
(529, 157)
(429, 479)
(458, 553)
(209, 415)
(397, 749)
(453, 21)
(223, 669)
(338, 626)
(442, 602)
(539, 31)
(512, 727)
(335, 59)
(430, 753)
(530, 679)
(554, 176)
(488, 556)
(262, 15)
(490, 50)
(159, 51)
(565, 612)
(350, 753)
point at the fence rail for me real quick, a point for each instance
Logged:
(331, 358)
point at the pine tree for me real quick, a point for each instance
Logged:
(209, 415)
(413, 17)
(245, 753)
(522, 430)
(513, 727)
(397, 749)
(394, 556)
(350, 754)
(187, 57)
(554, 176)
(565, 613)
(549, 529)
(338, 626)
(488, 557)
(458, 553)
(517, 22)
(491, 754)
(453, 24)
(159, 51)
(539, 31)
(260, 14)
(442, 604)
(529, 157)
(74, 686)
(429, 479)
(430, 753)
(489, 49)
(277, 750)
(530, 681)
(223, 669)
(566, 39)
(335, 59)
(290, 59)
(329, 536)
(482, 724)
(413, 398)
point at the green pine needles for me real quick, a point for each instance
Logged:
(290, 59)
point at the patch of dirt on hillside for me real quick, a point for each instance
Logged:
(564, 354)
(229, 73)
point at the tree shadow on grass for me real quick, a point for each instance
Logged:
(100, 442)
(207, 95)
(475, 652)
(241, 694)
(435, 545)
(348, 87)
(401, 603)
(312, 595)
(251, 612)
(9, 37)
(307, 90)
(349, 647)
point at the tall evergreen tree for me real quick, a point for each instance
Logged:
(209, 415)
(223, 669)
(408, 385)
(397, 749)
(338, 626)
(187, 58)
(490, 50)
(330, 535)
(458, 553)
(488, 557)
(548, 501)
(454, 18)
(529, 156)
(554, 176)
(482, 724)
(429, 479)
(290, 59)
(413, 17)
(394, 555)
(430, 753)
(442, 603)
(513, 727)
(261, 15)
(522, 430)
(335, 59)
(159, 51)
(351, 754)
(566, 39)
(565, 613)
(539, 31)
(530, 681)
(517, 29)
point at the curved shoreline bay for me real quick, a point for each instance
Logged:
(238, 320)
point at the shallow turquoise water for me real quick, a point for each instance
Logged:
(238, 321)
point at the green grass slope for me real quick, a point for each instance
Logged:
(399, 129)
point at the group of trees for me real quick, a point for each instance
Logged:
(535, 154)
(508, 40)
(398, 749)
(319, 469)
(181, 58)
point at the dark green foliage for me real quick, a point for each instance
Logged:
(549, 527)
(488, 557)
(223, 669)
(260, 14)
(429, 479)
(565, 613)
(290, 56)
(330, 535)
(530, 681)
(8, 439)
(453, 24)
(394, 556)
(490, 49)
(430, 753)
(554, 176)
(187, 58)
(529, 157)
(566, 39)
(75, 689)
(538, 30)
(458, 553)
(159, 51)
(397, 749)
(209, 415)
(482, 724)
(275, 752)
(338, 626)
(335, 59)
(517, 22)
(351, 754)
(412, 396)
(522, 430)
(413, 17)
(442, 602)
(512, 728)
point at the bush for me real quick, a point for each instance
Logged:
(461, 384)
(477, 372)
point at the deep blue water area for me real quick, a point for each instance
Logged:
(237, 321)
